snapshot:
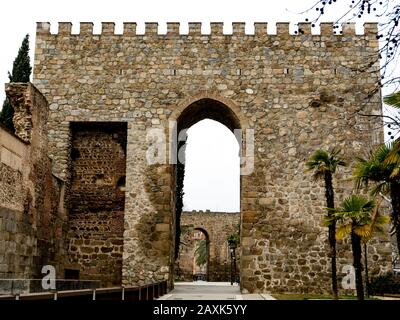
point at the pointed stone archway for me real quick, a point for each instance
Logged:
(205, 105)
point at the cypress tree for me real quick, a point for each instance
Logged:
(20, 73)
(6, 115)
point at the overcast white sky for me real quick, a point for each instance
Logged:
(211, 184)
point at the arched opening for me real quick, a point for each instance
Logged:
(201, 257)
(194, 255)
(208, 109)
(203, 110)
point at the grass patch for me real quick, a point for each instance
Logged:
(313, 297)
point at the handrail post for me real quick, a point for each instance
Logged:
(154, 290)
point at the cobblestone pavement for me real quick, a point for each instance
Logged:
(201, 290)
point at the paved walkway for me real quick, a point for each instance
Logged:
(201, 290)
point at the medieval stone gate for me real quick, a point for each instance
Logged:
(294, 93)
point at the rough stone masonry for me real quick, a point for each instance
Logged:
(298, 92)
(32, 219)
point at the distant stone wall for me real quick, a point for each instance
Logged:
(12, 153)
(32, 217)
(96, 200)
(18, 244)
(217, 226)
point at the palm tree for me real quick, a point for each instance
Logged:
(359, 218)
(393, 159)
(324, 165)
(382, 167)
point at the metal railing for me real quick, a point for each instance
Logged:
(132, 293)
(20, 286)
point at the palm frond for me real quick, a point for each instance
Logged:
(392, 159)
(329, 218)
(356, 203)
(322, 162)
(393, 99)
(395, 172)
(381, 187)
(343, 231)
(359, 215)
(380, 224)
(381, 152)
(364, 231)
(375, 169)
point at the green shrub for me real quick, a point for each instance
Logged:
(387, 283)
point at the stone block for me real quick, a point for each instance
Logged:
(162, 227)
(267, 202)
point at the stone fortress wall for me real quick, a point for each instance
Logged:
(32, 216)
(217, 226)
(298, 92)
(14, 261)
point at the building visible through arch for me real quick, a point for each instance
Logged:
(292, 93)
(217, 226)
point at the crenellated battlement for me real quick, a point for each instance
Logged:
(217, 29)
